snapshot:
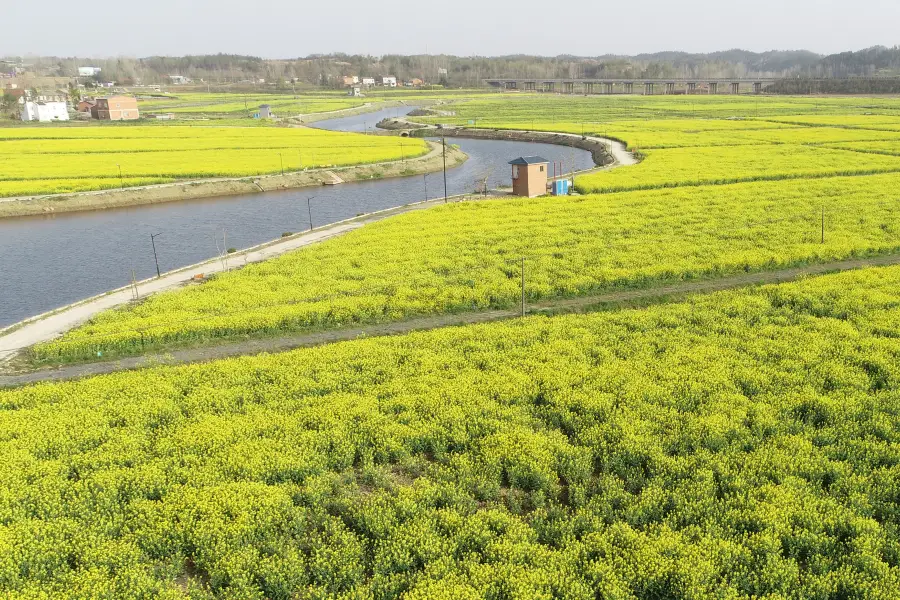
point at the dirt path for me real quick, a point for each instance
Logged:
(288, 342)
(50, 325)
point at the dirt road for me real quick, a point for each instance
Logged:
(49, 325)
(288, 342)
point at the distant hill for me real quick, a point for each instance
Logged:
(871, 62)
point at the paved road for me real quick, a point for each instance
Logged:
(288, 342)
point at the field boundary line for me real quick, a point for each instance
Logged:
(424, 323)
(48, 325)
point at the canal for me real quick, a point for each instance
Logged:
(50, 261)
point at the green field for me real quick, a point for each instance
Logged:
(286, 104)
(740, 445)
(49, 160)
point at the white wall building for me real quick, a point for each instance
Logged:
(389, 81)
(45, 112)
(88, 71)
(368, 81)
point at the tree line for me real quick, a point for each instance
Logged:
(468, 71)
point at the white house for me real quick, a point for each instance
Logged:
(389, 81)
(179, 79)
(45, 112)
(88, 71)
(370, 81)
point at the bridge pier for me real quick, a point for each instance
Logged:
(629, 87)
(609, 88)
(648, 89)
(512, 85)
(588, 88)
(713, 87)
(691, 87)
(569, 87)
(670, 88)
(736, 88)
(549, 86)
(529, 86)
(757, 87)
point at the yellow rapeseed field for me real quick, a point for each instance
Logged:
(71, 159)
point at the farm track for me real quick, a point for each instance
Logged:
(583, 303)
(49, 325)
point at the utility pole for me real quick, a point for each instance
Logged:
(121, 183)
(309, 210)
(153, 237)
(444, 145)
(523, 286)
(281, 157)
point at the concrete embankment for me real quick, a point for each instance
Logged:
(599, 148)
(188, 190)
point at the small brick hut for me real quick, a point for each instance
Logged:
(529, 176)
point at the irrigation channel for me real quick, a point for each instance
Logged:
(51, 261)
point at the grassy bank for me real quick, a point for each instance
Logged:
(188, 190)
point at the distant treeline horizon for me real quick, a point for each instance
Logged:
(460, 71)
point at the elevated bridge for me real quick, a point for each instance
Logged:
(631, 86)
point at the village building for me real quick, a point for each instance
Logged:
(368, 81)
(179, 79)
(45, 112)
(350, 80)
(388, 81)
(354, 91)
(529, 176)
(265, 112)
(88, 71)
(85, 106)
(115, 108)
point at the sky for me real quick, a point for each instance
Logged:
(292, 28)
